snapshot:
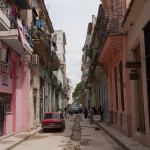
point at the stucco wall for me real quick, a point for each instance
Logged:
(135, 38)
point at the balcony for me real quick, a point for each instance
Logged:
(23, 4)
(4, 21)
(38, 34)
(82, 67)
(55, 63)
(112, 49)
(41, 42)
(57, 85)
(62, 62)
(83, 78)
(110, 38)
(18, 39)
(65, 92)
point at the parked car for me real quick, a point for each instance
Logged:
(53, 120)
(74, 109)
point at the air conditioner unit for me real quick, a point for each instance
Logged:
(35, 60)
(2, 55)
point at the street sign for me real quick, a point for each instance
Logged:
(134, 76)
(96, 117)
(132, 64)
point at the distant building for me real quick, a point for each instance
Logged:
(58, 97)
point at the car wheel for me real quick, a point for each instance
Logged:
(44, 130)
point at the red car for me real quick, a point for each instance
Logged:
(53, 120)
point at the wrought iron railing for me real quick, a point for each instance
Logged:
(5, 8)
(15, 21)
(107, 26)
(40, 35)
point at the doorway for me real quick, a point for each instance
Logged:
(147, 59)
(139, 102)
(1, 115)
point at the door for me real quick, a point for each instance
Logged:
(139, 94)
(41, 107)
(1, 116)
(147, 56)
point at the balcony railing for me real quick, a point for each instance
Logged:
(108, 26)
(39, 34)
(4, 16)
(23, 4)
(5, 8)
(114, 26)
(15, 21)
(56, 83)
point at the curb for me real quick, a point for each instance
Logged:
(6, 136)
(17, 143)
(125, 147)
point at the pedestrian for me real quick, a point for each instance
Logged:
(100, 112)
(67, 113)
(65, 109)
(91, 112)
(85, 112)
(58, 109)
(71, 111)
(95, 111)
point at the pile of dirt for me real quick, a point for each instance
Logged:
(74, 143)
(76, 130)
(70, 145)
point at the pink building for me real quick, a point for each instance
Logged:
(125, 55)
(136, 25)
(15, 51)
(112, 56)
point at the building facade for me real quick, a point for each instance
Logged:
(118, 76)
(137, 27)
(15, 57)
(26, 64)
(60, 39)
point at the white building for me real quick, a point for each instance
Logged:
(60, 38)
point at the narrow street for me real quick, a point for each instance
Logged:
(78, 135)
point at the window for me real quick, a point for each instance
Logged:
(52, 116)
(6, 99)
(121, 85)
(116, 87)
(147, 56)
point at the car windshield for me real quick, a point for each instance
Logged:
(52, 116)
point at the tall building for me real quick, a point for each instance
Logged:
(60, 38)
(25, 64)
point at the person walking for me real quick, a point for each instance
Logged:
(100, 112)
(91, 114)
(67, 113)
(95, 111)
(85, 112)
(65, 109)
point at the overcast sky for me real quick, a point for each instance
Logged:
(73, 16)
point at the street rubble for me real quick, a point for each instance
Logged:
(74, 142)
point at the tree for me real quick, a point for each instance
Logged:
(77, 90)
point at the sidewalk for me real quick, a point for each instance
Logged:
(127, 143)
(10, 141)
